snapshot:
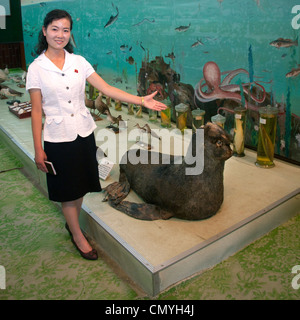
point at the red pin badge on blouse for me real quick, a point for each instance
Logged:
(76, 70)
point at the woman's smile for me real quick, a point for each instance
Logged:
(58, 33)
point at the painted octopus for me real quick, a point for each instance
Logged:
(217, 89)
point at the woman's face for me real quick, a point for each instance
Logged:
(58, 33)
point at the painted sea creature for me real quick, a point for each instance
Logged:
(217, 89)
(166, 189)
(293, 73)
(142, 46)
(183, 28)
(197, 43)
(112, 18)
(171, 56)
(130, 60)
(143, 21)
(284, 43)
(118, 79)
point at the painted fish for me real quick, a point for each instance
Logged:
(171, 56)
(143, 21)
(112, 19)
(284, 43)
(123, 47)
(183, 28)
(197, 43)
(142, 46)
(130, 60)
(293, 73)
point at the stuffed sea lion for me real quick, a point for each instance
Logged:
(167, 190)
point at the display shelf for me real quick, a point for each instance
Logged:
(158, 254)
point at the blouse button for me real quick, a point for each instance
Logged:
(72, 115)
(69, 101)
(62, 74)
(67, 88)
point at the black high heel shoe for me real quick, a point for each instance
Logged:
(91, 255)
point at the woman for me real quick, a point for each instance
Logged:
(56, 84)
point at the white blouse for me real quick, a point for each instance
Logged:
(63, 95)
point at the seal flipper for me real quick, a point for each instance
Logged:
(141, 211)
(116, 191)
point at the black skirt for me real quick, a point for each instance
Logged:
(76, 167)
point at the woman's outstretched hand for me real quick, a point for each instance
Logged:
(150, 103)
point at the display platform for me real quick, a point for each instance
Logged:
(158, 254)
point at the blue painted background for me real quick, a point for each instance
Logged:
(226, 30)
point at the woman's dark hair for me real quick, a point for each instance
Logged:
(51, 16)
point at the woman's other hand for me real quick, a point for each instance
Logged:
(40, 158)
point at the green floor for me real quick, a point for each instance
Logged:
(41, 262)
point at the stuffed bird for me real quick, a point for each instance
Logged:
(147, 129)
(113, 120)
(100, 105)
(9, 92)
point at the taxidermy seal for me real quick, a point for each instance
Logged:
(166, 188)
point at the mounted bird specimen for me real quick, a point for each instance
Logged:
(5, 90)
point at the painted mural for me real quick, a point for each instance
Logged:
(210, 54)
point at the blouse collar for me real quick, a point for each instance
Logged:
(44, 62)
